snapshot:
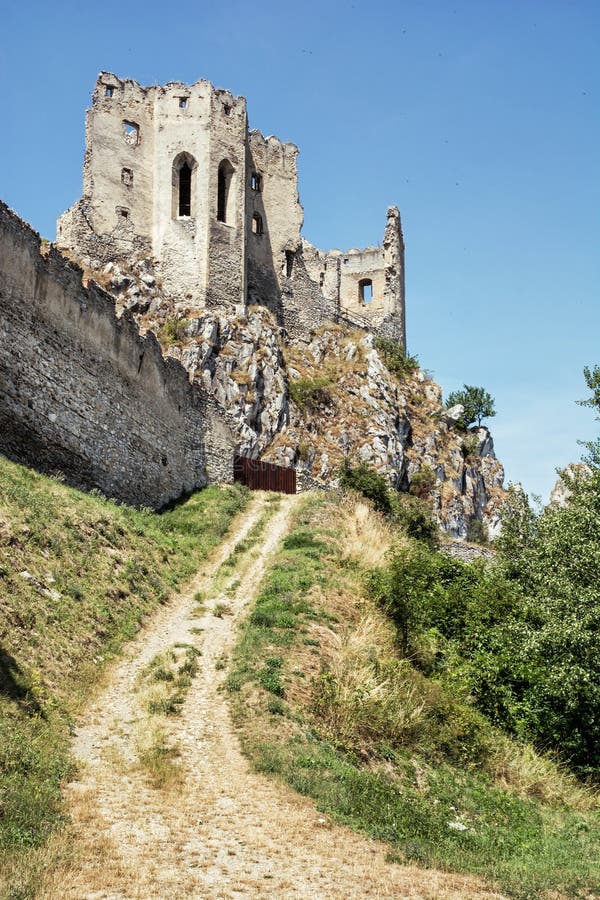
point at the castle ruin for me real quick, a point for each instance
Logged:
(173, 173)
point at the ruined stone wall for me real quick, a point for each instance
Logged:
(83, 393)
(272, 195)
(182, 117)
(226, 239)
(114, 215)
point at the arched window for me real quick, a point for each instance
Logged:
(184, 167)
(257, 223)
(185, 190)
(224, 192)
(365, 290)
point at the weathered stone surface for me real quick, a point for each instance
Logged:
(82, 392)
(452, 416)
(561, 493)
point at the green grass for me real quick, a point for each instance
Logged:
(168, 677)
(77, 576)
(411, 790)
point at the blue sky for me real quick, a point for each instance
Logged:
(478, 119)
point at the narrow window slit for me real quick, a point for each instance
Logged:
(289, 263)
(224, 179)
(185, 190)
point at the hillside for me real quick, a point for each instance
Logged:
(327, 700)
(78, 575)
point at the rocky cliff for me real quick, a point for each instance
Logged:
(311, 402)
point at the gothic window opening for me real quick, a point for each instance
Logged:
(183, 102)
(289, 263)
(257, 224)
(227, 109)
(365, 291)
(184, 167)
(185, 190)
(224, 193)
(255, 182)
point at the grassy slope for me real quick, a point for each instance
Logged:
(324, 702)
(77, 575)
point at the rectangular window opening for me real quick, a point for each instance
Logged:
(255, 182)
(131, 133)
(109, 91)
(183, 102)
(365, 291)
(127, 177)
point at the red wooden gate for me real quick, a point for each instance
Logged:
(263, 476)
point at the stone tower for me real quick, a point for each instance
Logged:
(173, 173)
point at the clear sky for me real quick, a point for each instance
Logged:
(478, 118)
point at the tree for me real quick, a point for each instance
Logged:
(477, 403)
(592, 378)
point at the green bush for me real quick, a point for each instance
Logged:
(476, 532)
(415, 517)
(172, 331)
(478, 404)
(395, 358)
(366, 481)
(310, 393)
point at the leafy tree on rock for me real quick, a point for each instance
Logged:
(477, 402)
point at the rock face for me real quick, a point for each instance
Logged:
(310, 402)
(561, 492)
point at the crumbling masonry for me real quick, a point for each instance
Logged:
(173, 173)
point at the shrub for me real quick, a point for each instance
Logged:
(422, 482)
(310, 393)
(366, 481)
(172, 331)
(415, 517)
(476, 532)
(395, 357)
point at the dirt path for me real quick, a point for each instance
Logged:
(225, 832)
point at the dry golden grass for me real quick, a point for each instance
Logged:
(364, 693)
(367, 535)
(523, 771)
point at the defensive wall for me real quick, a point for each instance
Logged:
(82, 392)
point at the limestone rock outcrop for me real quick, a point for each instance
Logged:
(312, 401)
